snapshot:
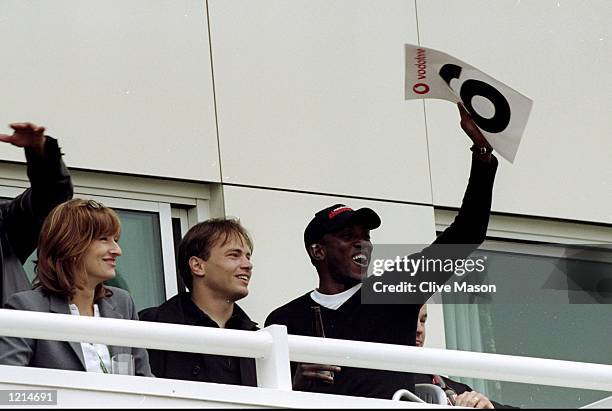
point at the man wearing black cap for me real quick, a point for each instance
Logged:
(338, 243)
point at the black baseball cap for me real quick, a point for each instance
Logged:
(335, 218)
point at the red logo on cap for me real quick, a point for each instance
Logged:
(337, 211)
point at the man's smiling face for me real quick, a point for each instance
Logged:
(228, 270)
(347, 254)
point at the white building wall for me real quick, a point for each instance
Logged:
(309, 97)
(125, 85)
(558, 53)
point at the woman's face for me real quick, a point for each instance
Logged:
(100, 259)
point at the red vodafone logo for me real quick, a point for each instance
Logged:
(421, 71)
(420, 88)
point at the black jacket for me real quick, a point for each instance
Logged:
(21, 219)
(194, 366)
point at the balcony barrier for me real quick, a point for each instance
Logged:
(272, 350)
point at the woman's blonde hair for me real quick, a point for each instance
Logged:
(67, 233)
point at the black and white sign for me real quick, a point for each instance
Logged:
(499, 111)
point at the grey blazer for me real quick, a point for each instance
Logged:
(62, 354)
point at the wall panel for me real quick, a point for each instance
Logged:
(310, 97)
(125, 85)
(558, 53)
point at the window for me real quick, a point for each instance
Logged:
(571, 325)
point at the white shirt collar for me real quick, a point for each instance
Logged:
(334, 301)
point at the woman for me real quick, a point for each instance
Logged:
(77, 252)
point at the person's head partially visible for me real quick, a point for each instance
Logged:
(77, 249)
(215, 257)
(338, 243)
(421, 331)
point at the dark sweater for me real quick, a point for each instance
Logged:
(193, 366)
(389, 324)
(354, 321)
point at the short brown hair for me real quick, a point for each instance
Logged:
(201, 238)
(67, 233)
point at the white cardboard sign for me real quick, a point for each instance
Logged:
(500, 112)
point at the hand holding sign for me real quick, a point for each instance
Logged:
(500, 112)
(471, 129)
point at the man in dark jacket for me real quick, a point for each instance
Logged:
(214, 260)
(338, 243)
(21, 219)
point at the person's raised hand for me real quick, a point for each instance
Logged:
(470, 128)
(26, 135)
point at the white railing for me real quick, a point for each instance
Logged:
(272, 349)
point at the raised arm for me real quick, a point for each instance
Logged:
(470, 225)
(50, 185)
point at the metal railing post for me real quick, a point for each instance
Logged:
(273, 370)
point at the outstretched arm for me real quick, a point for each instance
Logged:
(470, 225)
(469, 228)
(50, 185)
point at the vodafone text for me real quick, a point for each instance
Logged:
(421, 65)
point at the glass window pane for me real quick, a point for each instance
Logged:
(575, 332)
(140, 268)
